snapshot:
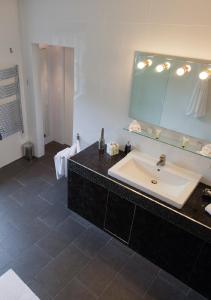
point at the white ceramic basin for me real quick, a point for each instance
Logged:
(171, 184)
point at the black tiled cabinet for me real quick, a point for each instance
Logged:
(119, 216)
(200, 278)
(177, 251)
(87, 199)
(166, 245)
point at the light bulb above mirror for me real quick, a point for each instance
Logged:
(205, 74)
(143, 64)
(183, 70)
(163, 67)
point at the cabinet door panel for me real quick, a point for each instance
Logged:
(87, 199)
(200, 279)
(168, 246)
(119, 216)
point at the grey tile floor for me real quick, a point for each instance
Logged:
(62, 256)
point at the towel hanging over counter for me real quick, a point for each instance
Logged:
(61, 159)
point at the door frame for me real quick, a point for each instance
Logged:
(38, 128)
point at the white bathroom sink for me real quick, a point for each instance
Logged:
(168, 183)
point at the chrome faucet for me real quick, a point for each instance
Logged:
(162, 160)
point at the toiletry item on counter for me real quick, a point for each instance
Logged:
(185, 141)
(207, 194)
(127, 148)
(206, 150)
(101, 143)
(134, 126)
(112, 148)
(157, 133)
(208, 209)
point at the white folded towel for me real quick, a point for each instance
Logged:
(61, 158)
(206, 150)
(208, 209)
(134, 126)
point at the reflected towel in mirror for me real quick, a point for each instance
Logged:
(198, 102)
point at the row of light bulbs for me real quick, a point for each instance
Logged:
(167, 65)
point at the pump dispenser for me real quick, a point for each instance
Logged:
(101, 143)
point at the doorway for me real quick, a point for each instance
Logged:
(55, 80)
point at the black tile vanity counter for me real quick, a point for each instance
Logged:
(177, 240)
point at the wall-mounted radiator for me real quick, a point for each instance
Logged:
(10, 102)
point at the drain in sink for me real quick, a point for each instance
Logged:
(154, 181)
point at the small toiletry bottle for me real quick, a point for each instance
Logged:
(101, 143)
(127, 148)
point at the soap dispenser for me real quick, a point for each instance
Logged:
(127, 148)
(101, 143)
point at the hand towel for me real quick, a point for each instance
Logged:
(198, 102)
(206, 150)
(60, 160)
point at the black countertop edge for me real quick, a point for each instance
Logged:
(99, 165)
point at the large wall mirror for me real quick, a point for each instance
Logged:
(173, 93)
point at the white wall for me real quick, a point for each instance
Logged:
(105, 34)
(10, 148)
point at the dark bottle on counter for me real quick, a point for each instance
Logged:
(127, 148)
(101, 143)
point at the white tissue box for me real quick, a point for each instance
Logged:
(112, 149)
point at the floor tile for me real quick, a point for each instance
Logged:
(97, 275)
(7, 187)
(116, 254)
(14, 168)
(55, 195)
(17, 214)
(75, 290)
(174, 281)
(55, 215)
(30, 262)
(80, 220)
(37, 230)
(47, 160)
(7, 229)
(91, 241)
(33, 180)
(39, 290)
(138, 274)
(71, 229)
(16, 242)
(61, 270)
(162, 290)
(53, 147)
(30, 202)
(117, 291)
(5, 259)
(53, 243)
(29, 174)
(49, 175)
(193, 295)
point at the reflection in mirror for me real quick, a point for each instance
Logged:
(172, 93)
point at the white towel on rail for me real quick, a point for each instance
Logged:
(61, 158)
